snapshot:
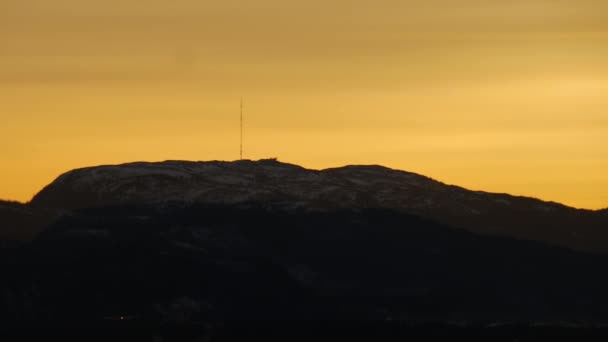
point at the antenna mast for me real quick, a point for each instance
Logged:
(241, 128)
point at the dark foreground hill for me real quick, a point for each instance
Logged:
(198, 263)
(23, 222)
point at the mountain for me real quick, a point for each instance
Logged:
(205, 243)
(281, 185)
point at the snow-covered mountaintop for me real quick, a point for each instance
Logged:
(264, 181)
(286, 186)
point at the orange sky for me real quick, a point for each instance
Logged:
(506, 96)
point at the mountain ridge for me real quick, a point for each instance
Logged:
(289, 186)
(67, 174)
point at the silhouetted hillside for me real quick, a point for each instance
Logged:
(197, 263)
(22, 222)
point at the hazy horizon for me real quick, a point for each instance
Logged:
(490, 95)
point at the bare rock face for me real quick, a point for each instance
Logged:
(274, 184)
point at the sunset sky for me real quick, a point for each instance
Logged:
(495, 95)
